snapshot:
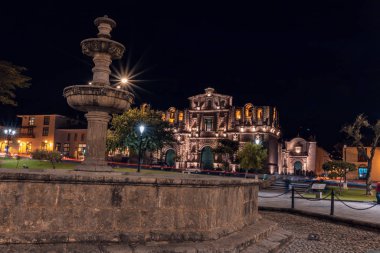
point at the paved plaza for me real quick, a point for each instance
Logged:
(315, 235)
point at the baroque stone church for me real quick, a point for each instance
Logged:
(211, 117)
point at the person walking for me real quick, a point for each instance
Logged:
(378, 192)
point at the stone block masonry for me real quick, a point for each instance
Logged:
(73, 206)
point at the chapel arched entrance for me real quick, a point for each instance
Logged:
(297, 168)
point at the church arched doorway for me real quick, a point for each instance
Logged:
(207, 158)
(170, 157)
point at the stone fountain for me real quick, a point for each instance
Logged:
(99, 98)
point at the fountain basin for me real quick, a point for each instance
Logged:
(98, 98)
(69, 206)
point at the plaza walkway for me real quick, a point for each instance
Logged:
(372, 215)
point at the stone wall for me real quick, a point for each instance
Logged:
(68, 206)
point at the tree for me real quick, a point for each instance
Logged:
(338, 169)
(227, 148)
(252, 156)
(11, 78)
(360, 132)
(124, 131)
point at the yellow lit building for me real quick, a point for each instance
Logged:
(351, 154)
(48, 132)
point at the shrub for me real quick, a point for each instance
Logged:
(52, 156)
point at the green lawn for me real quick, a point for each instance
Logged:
(10, 163)
(36, 164)
(349, 194)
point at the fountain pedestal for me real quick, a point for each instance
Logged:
(96, 142)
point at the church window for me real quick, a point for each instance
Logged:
(260, 113)
(209, 104)
(248, 110)
(171, 114)
(208, 124)
(238, 114)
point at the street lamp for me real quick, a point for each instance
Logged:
(141, 128)
(9, 133)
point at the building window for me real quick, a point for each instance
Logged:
(44, 145)
(75, 137)
(66, 147)
(28, 147)
(45, 131)
(362, 172)
(208, 125)
(180, 117)
(30, 131)
(46, 120)
(362, 156)
(58, 147)
(82, 137)
(68, 137)
(32, 121)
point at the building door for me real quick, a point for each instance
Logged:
(207, 159)
(298, 168)
(170, 157)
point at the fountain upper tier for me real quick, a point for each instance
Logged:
(87, 98)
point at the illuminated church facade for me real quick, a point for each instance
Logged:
(211, 117)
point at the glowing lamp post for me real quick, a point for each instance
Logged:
(9, 133)
(141, 128)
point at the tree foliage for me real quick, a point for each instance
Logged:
(338, 169)
(11, 78)
(252, 156)
(124, 131)
(363, 134)
(227, 148)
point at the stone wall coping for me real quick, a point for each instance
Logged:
(82, 177)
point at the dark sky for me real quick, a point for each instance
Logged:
(317, 61)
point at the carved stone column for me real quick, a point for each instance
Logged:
(101, 70)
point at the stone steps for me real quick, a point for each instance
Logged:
(276, 241)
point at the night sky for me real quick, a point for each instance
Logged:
(317, 61)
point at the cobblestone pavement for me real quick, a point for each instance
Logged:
(334, 238)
